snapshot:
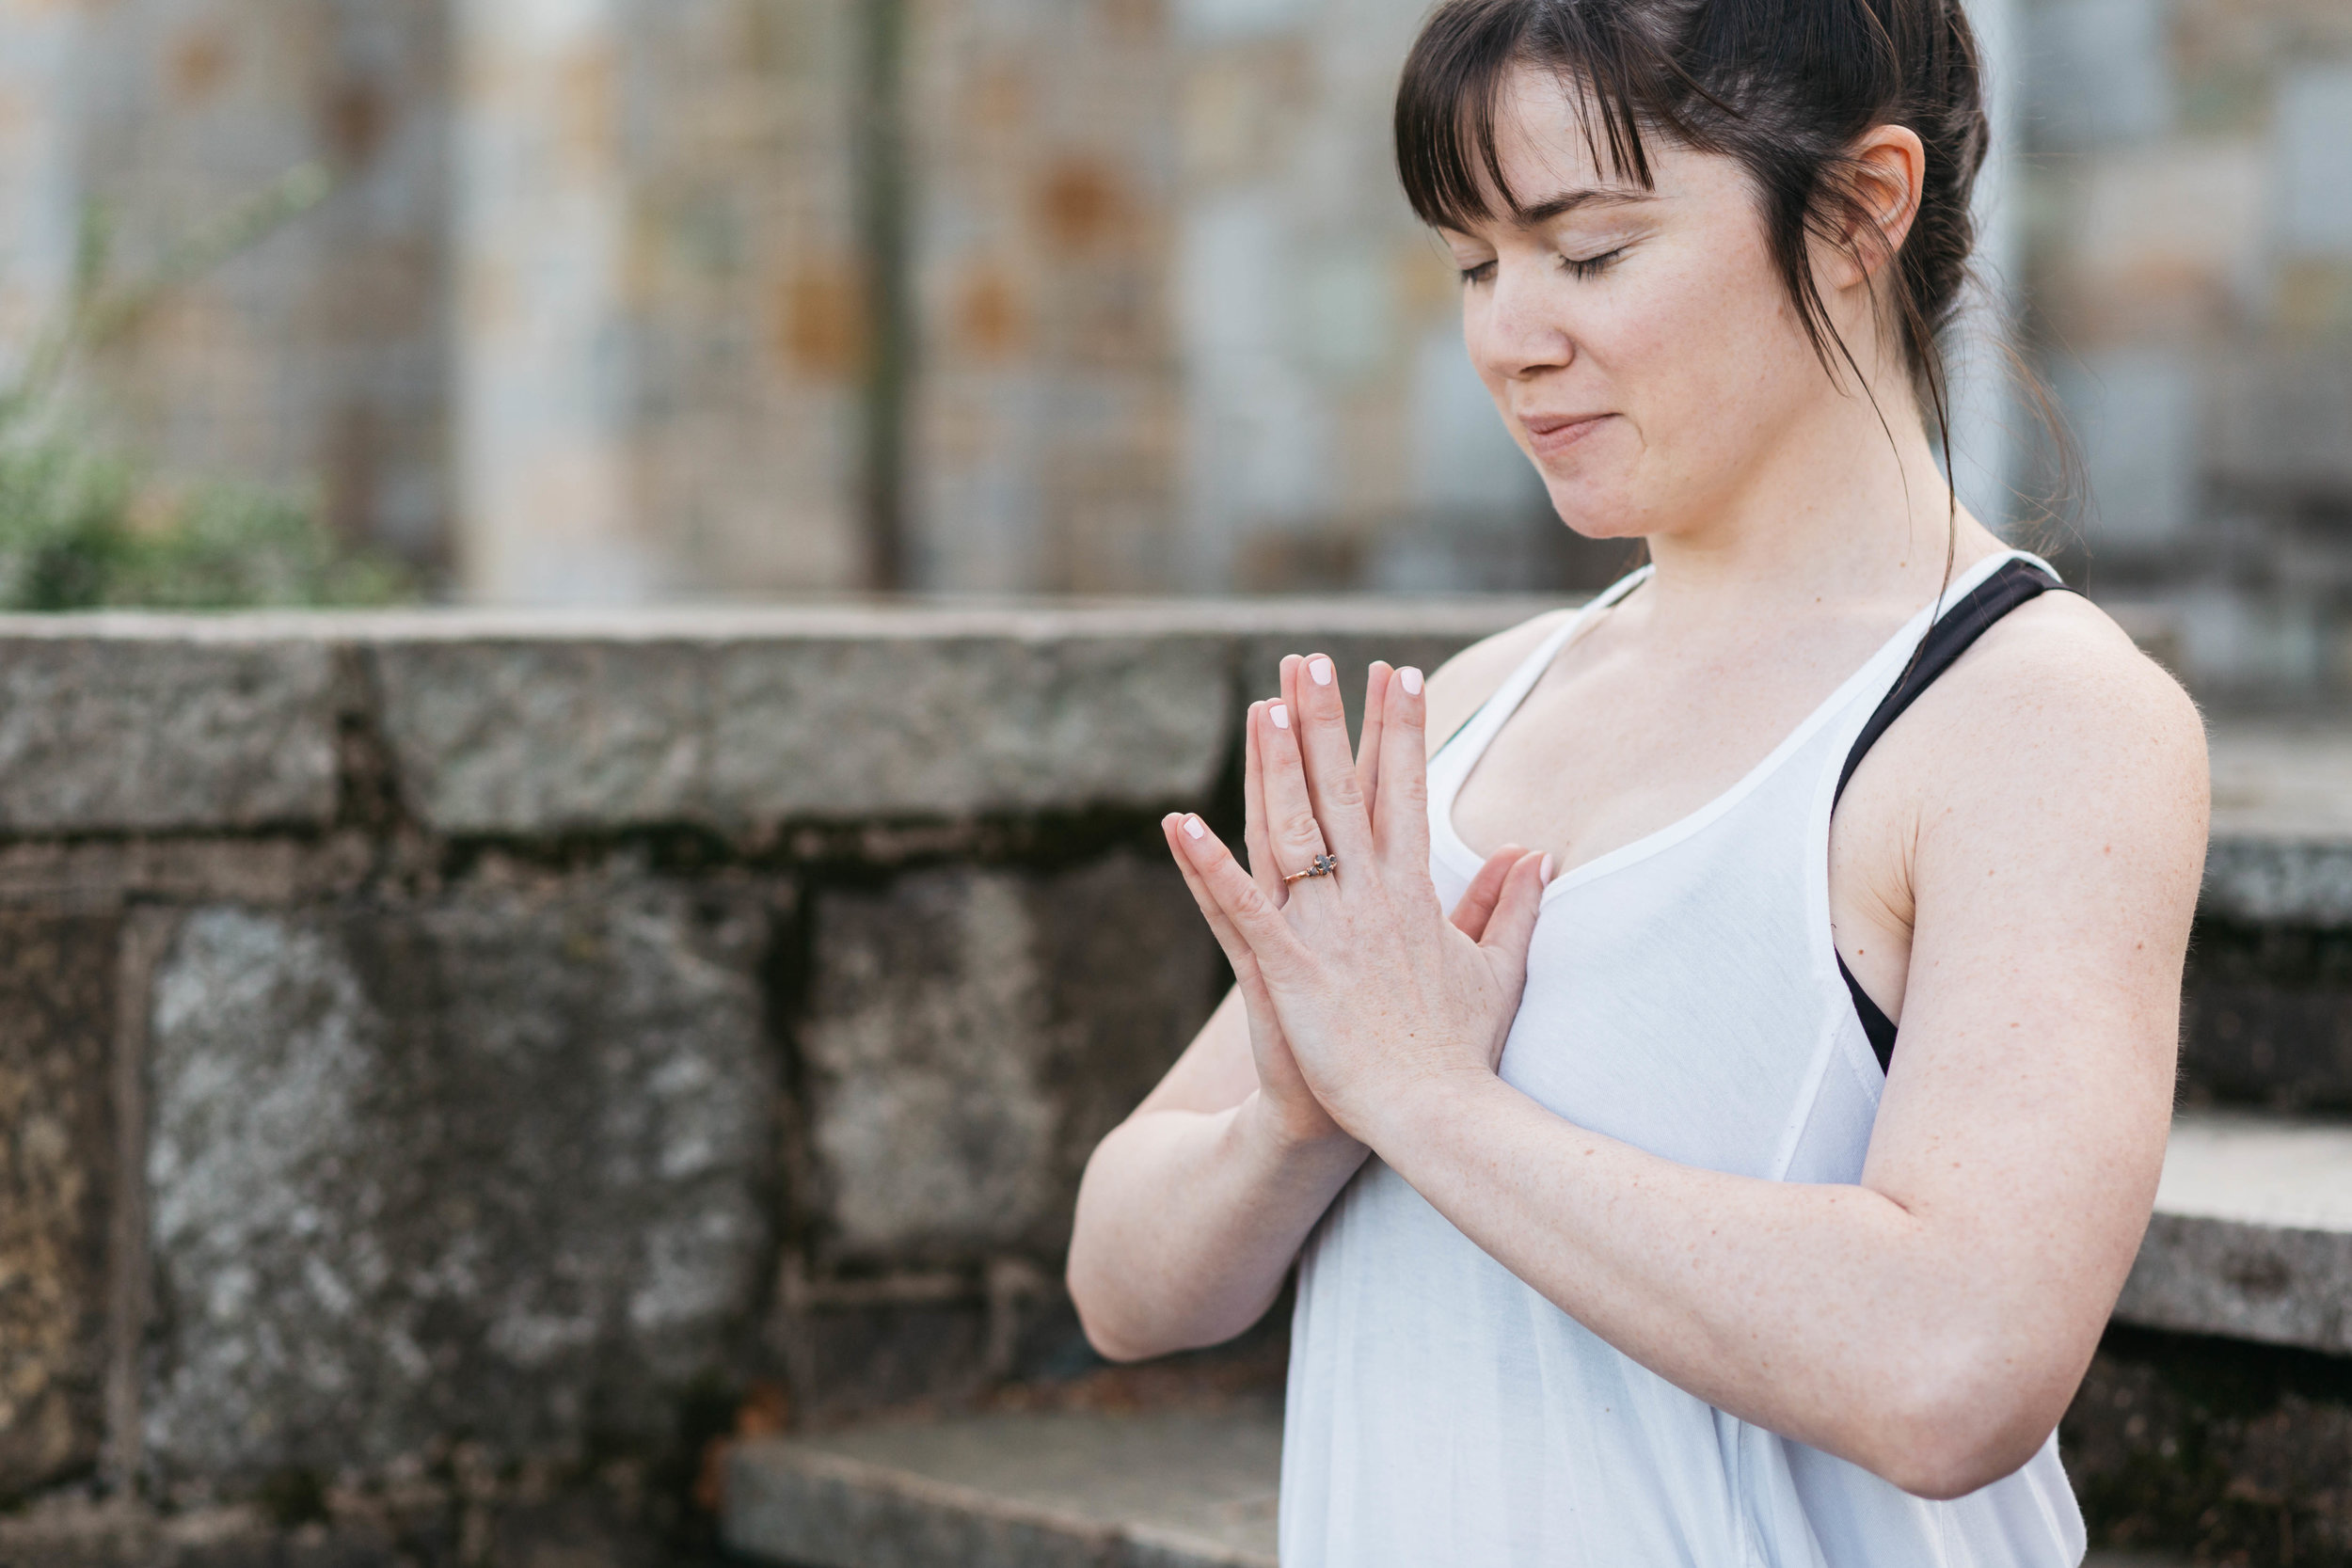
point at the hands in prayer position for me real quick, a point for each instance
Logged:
(1360, 991)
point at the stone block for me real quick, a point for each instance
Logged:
(2279, 423)
(2312, 127)
(2250, 1281)
(153, 732)
(2251, 879)
(2217, 1451)
(966, 726)
(528, 735)
(973, 1033)
(493, 1164)
(57, 987)
(2253, 1234)
(2137, 413)
(2100, 73)
(2267, 1016)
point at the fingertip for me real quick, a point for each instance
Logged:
(1543, 872)
(1410, 678)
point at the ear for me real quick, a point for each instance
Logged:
(1886, 172)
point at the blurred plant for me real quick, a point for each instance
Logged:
(80, 528)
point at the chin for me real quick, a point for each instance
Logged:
(1595, 516)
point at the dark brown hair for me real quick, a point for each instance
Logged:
(1783, 86)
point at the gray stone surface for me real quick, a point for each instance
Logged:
(2267, 1016)
(56, 1182)
(108, 732)
(518, 723)
(1166, 1489)
(2253, 1234)
(513, 737)
(1150, 1489)
(2193, 1449)
(2281, 846)
(495, 1165)
(972, 1033)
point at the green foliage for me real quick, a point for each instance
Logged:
(79, 530)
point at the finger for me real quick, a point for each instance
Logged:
(1237, 952)
(1403, 830)
(1255, 921)
(1253, 836)
(1331, 785)
(1513, 924)
(1248, 982)
(1368, 742)
(1477, 903)
(1293, 835)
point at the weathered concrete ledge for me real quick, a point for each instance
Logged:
(2253, 1234)
(502, 723)
(1162, 1489)
(1146, 1489)
(506, 724)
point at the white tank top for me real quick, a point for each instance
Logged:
(1682, 995)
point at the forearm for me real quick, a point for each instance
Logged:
(1828, 1313)
(1188, 1222)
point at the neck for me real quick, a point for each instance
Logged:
(1832, 516)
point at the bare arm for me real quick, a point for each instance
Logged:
(1192, 1210)
(1930, 1321)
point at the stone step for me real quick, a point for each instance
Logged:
(2252, 1233)
(2281, 845)
(1137, 1490)
(2251, 1240)
(1163, 1489)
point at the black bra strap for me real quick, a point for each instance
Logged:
(2012, 584)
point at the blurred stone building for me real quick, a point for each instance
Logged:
(621, 299)
(2189, 225)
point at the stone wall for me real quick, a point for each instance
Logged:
(445, 1059)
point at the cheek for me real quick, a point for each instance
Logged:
(1707, 336)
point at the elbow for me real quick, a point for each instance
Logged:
(1095, 1320)
(1948, 1432)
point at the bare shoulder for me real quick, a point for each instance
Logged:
(1458, 686)
(2056, 718)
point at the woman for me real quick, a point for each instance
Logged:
(1744, 1172)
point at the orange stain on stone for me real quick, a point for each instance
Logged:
(1080, 204)
(199, 65)
(821, 322)
(988, 316)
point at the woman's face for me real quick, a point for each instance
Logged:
(1638, 344)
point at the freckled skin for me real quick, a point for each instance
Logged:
(1931, 1322)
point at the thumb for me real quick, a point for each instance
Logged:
(1477, 904)
(1511, 926)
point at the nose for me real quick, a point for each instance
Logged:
(1521, 328)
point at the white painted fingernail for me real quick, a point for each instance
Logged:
(1320, 668)
(1412, 677)
(1280, 714)
(1194, 827)
(1544, 871)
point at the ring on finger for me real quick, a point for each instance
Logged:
(1323, 865)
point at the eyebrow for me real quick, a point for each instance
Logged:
(1567, 202)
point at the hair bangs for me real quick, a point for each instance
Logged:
(1447, 103)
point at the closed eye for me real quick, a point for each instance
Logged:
(1592, 266)
(1478, 274)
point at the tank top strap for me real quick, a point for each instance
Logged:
(1994, 587)
(1460, 751)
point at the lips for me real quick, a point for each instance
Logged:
(1552, 434)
